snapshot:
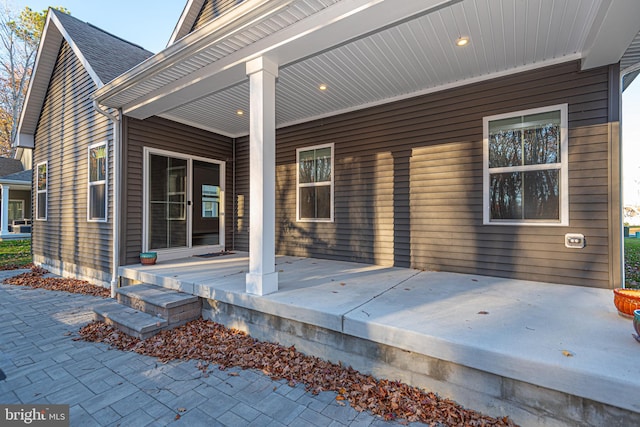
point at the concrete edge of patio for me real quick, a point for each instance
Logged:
(580, 373)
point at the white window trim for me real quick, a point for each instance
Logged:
(189, 250)
(45, 191)
(564, 168)
(105, 181)
(298, 185)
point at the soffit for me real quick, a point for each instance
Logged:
(225, 46)
(415, 56)
(631, 56)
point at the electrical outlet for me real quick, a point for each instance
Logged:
(574, 240)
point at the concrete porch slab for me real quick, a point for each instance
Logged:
(564, 338)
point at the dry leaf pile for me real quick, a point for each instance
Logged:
(35, 279)
(211, 342)
(8, 267)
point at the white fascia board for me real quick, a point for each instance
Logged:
(187, 18)
(25, 184)
(32, 105)
(245, 15)
(335, 25)
(614, 28)
(77, 52)
(52, 35)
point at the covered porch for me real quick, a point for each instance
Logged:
(540, 353)
(15, 206)
(304, 63)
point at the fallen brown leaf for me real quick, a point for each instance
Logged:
(35, 279)
(567, 353)
(212, 343)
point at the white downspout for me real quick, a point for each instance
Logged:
(117, 150)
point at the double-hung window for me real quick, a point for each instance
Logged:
(525, 167)
(41, 191)
(315, 183)
(97, 191)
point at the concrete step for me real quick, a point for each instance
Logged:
(176, 307)
(128, 320)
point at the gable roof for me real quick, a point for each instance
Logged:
(198, 13)
(9, 166)
(107, 55)
(186, 21)
(103, 55)
(22, 176)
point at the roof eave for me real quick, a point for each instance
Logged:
(244, 15)
(52, 36)
(186, 21)
(614, 28)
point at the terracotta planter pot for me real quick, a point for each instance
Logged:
(626, 301)
(148, 258)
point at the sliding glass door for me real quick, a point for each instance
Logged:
(184, 204)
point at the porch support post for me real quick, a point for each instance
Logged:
(4, 221)
(262, 278)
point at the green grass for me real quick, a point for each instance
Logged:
(15, 253)
(632, 262)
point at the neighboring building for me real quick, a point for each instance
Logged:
(15, 201)
(361, 131)
(72, 142)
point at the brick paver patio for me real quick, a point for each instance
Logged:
(43, 364)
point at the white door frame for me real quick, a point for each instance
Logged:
(189, 250)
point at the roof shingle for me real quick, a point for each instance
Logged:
(108, 55)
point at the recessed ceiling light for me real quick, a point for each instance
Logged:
(462, 41)
(240, 112)
(322, 86)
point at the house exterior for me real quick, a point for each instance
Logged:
(72, 143)
(357, 131)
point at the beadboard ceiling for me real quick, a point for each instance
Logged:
(365, 60)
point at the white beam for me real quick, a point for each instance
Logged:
(334, 25)
(262, 278)
(613, 30)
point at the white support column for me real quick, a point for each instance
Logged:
(4, 221)
(262, 278)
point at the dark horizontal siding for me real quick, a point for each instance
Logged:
(241, 205)
(171, 136)
(408, 182)
(68, 124)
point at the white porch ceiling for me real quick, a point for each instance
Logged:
(415, 55)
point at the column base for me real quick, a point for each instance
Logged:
(262, 284)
